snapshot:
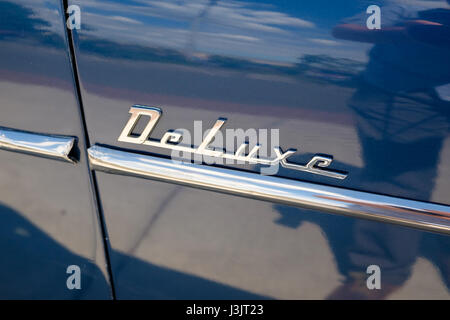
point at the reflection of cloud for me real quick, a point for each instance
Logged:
(124, 19)
(238, 14)
(325, 42)
(244, 15)
(231, 36)
(47, 11)
(273, 17)
(188, 9)
(423, 4)
(242, 29)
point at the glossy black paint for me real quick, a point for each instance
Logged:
(379, 104)
(374, 107)
(48, 216)
(182, 239)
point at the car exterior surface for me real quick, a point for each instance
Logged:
(375, 100)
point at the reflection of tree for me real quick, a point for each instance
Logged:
(325, 68)
(320, 68)
(17, 21)
(112, 49)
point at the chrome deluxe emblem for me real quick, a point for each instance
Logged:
(316, 165)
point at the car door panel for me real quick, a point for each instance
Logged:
(49, 218)
(376, 104)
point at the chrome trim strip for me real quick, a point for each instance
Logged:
(50, 146)
(412, 213)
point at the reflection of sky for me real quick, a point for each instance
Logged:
(259, 30)
(267, 30)
(48, 11)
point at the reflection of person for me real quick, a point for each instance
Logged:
(398, 114)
